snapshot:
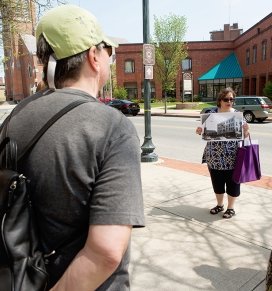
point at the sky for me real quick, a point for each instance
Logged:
(123, 18)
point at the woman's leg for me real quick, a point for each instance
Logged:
(219, 190)
(220, 199)
(231, 201)
(233, 191)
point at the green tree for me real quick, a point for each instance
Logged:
(112, 82)
(120, 93)
(169, 32)
(19, 16)
(268, 89)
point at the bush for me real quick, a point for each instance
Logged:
(152, 100)
(196, 98)
(120, 93)
(268, 89)
(136, 100)
(171, 99)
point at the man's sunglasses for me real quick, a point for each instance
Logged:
(108, 48)
(228, 99)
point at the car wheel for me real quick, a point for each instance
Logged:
(261, 119)
(134, 113)
(249, 116)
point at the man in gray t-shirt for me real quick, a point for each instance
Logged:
(85, 170)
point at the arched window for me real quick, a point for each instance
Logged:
(248, 57)
(30, 72)
(264, 48)
(254, 59)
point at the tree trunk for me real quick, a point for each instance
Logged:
(165, 102)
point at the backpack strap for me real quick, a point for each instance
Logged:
(11, 146)
(3, 143)
(48, 124)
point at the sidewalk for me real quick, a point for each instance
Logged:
(160, 111)
(183, 247)
(5, 109)
(194, 113)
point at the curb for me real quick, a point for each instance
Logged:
(172, 115)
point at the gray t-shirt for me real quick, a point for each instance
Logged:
(85, 170)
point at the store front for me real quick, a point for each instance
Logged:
(227, 73)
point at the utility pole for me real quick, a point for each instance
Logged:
(147, 148)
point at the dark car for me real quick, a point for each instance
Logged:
(125, 106)
(207, 109)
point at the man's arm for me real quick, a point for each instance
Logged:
(100, 257)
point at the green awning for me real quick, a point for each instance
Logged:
(228, 68)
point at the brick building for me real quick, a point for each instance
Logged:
(229, 32)
(210, 65)
(252, 50)
(22, 71)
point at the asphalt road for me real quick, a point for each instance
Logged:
(175, 138)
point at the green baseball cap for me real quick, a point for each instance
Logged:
(70, 30)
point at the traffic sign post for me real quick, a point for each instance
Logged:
(148, 148)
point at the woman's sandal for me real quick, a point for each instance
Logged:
(216, 209)
(229, 213)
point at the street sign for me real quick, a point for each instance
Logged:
(149, 54)
(148, 72)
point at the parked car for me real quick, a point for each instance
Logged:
(253, 107)
(207, 109)
(125, 106)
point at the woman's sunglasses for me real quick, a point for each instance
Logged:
(228, 99)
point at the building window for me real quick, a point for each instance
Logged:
(271, 49)
(210, 89)
(29, 71)
(186, 64)
(129, 66)
(131, 90)
(264, 47)
(248, 57)
(254, 59)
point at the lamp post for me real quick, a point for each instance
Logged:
(147, 148)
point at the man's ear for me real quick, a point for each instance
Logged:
(92, 58)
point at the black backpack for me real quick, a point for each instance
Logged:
(22, 264)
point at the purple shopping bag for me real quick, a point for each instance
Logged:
(247, 167)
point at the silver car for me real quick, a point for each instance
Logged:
(254, 107)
